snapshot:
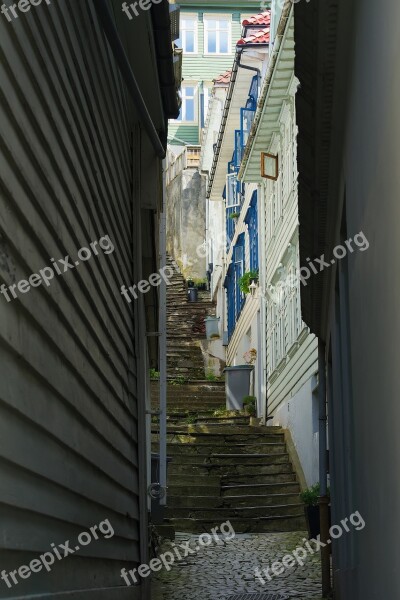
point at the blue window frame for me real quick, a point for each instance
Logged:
(229, 285)
(251, 220)
(238, 259)
(237, 155)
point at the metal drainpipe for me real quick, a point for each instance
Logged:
(163, 349)
(247, 66)
(323, 471)
(106, 20)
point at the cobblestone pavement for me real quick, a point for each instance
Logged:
(219, 571)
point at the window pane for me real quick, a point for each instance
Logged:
(212, 41)
(223, 25)
(224, 41)
(190, 109)
(211, 24)
(189, 91)
(189, 43)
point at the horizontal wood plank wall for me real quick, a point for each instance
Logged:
(68, 406)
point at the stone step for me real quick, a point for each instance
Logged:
(222, 482)
(228, 460)
(186, 501)
(277, 487)
(231, 470)
(223, 514)
(208, 450)
(202, 487)
(279, 474)
(251, 433)
(256, 525)
(216, 440)
(194, 384)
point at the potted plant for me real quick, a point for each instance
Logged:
(246, 279)
(310, 497)
(201, 284)
(250, 405)
(190, 283)
(234, 216)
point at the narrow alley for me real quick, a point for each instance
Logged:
(199, 299)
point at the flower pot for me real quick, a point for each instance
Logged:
(312, 520)
(193, 294)
(212, 328)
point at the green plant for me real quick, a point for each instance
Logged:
(211, 377)
(246, 279)
(234, 215)
(215, 336)
(180, 380)
(250, 405)
(311, 495)
(200, 281)
(191, 419)
(154, 374)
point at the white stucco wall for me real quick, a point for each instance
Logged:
(299, 414)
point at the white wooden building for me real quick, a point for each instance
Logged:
(290, 352)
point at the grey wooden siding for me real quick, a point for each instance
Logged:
(68, 405)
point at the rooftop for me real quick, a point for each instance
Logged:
(256, 29)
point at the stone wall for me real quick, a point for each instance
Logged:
(186, 222)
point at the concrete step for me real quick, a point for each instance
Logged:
(208, 450)
(277, 487)
(214, 432)
(185, 501)
(223, 514)
(284, 474)
(229, 460)
(216, 481)
(281, 465)
(256, 525)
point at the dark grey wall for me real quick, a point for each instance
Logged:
(364, 321)
(68, 367)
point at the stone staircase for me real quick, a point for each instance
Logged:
(185, 329)
(222, 468)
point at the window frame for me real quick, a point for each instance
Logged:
(184, 121)
(193, 17)
(210, 17)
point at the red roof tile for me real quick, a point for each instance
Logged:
(260, 19)
(224, 78)
(261, 37)
(258, 29)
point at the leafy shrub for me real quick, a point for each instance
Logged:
(246, 279)
(250, 405)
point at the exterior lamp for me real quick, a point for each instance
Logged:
(253, 288)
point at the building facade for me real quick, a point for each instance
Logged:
(208, 35)
(233, 208)
(348, 148)
(81, 182)
(290, 352)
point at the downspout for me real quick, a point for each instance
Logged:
(263, 306)
(323, 472)
(107, 22)
(163, 348)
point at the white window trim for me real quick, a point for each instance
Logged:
(195, 121)
(219, 17)
(194, 17)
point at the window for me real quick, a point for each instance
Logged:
(188, 104)
(217, 35)
(188, 39)
(252, 223)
